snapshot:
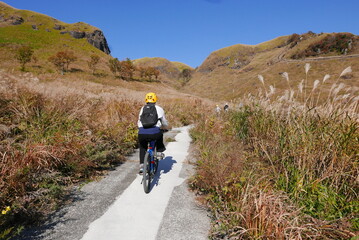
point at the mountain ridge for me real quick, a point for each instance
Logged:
(233, 71)
(225, 74)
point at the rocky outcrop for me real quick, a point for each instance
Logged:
(77, 35)
(59, 27)
(13, 20)
(95, 38)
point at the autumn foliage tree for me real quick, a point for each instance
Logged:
(152, 72)
(62, 60)
(122, 69)
(126, 69)
(23, 55)
(93, 62)
(147, 73)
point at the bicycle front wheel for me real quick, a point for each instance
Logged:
(146, 179)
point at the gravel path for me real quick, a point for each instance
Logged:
(182, 217)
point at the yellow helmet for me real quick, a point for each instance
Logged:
(151, 98)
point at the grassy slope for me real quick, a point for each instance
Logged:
(45, 41)
(226, 83)
(170, 71)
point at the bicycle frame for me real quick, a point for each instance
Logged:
(151, 149)
(150, 166)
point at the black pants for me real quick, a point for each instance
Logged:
(143, 139)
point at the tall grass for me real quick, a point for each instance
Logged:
(291, 168)
(47, 146)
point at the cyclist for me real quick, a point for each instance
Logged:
(226, 106)
(218, 110)
(154, 132)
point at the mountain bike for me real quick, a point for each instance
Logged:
(150, 165)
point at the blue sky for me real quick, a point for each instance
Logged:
(189, 30)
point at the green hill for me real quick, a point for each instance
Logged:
(46, 36)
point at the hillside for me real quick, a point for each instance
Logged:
(233, 71)
(226, 74)
(47, 36)
(171, 72)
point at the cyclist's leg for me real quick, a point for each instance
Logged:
(159, 142)
(143, 140)
(142, 145)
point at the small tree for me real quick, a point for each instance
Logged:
(62, 60)
(69, 58)
(186, 75)
(24, 55)
(113, 64)
(126, 69)
(142, 72)
(152, 72)
(93, 62)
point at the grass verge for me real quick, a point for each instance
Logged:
(283, 168)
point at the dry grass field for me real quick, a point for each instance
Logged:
(233, 71)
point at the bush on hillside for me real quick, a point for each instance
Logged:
(62, 60)
(24, 55)
(340, 43)
(92, 63)
(126, 70)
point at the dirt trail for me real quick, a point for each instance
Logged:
(317, 58)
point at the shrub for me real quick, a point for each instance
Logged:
(340, 43)
(62, 60)
(93, 62)
(24, 55)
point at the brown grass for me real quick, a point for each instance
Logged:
(225, 83)
(282, 167)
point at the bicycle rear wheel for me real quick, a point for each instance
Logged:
(146, 179)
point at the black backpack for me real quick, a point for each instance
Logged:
(149, 116)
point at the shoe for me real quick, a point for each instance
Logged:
(161, 149)
(160, 155)
(141, 169)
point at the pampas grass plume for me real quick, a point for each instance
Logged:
(307, 67)
(340, 87)
(326, 77)
(286, 76)
(347, 70)
(300, 86)
(272, 90)
(261, 79)
(315, 85)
